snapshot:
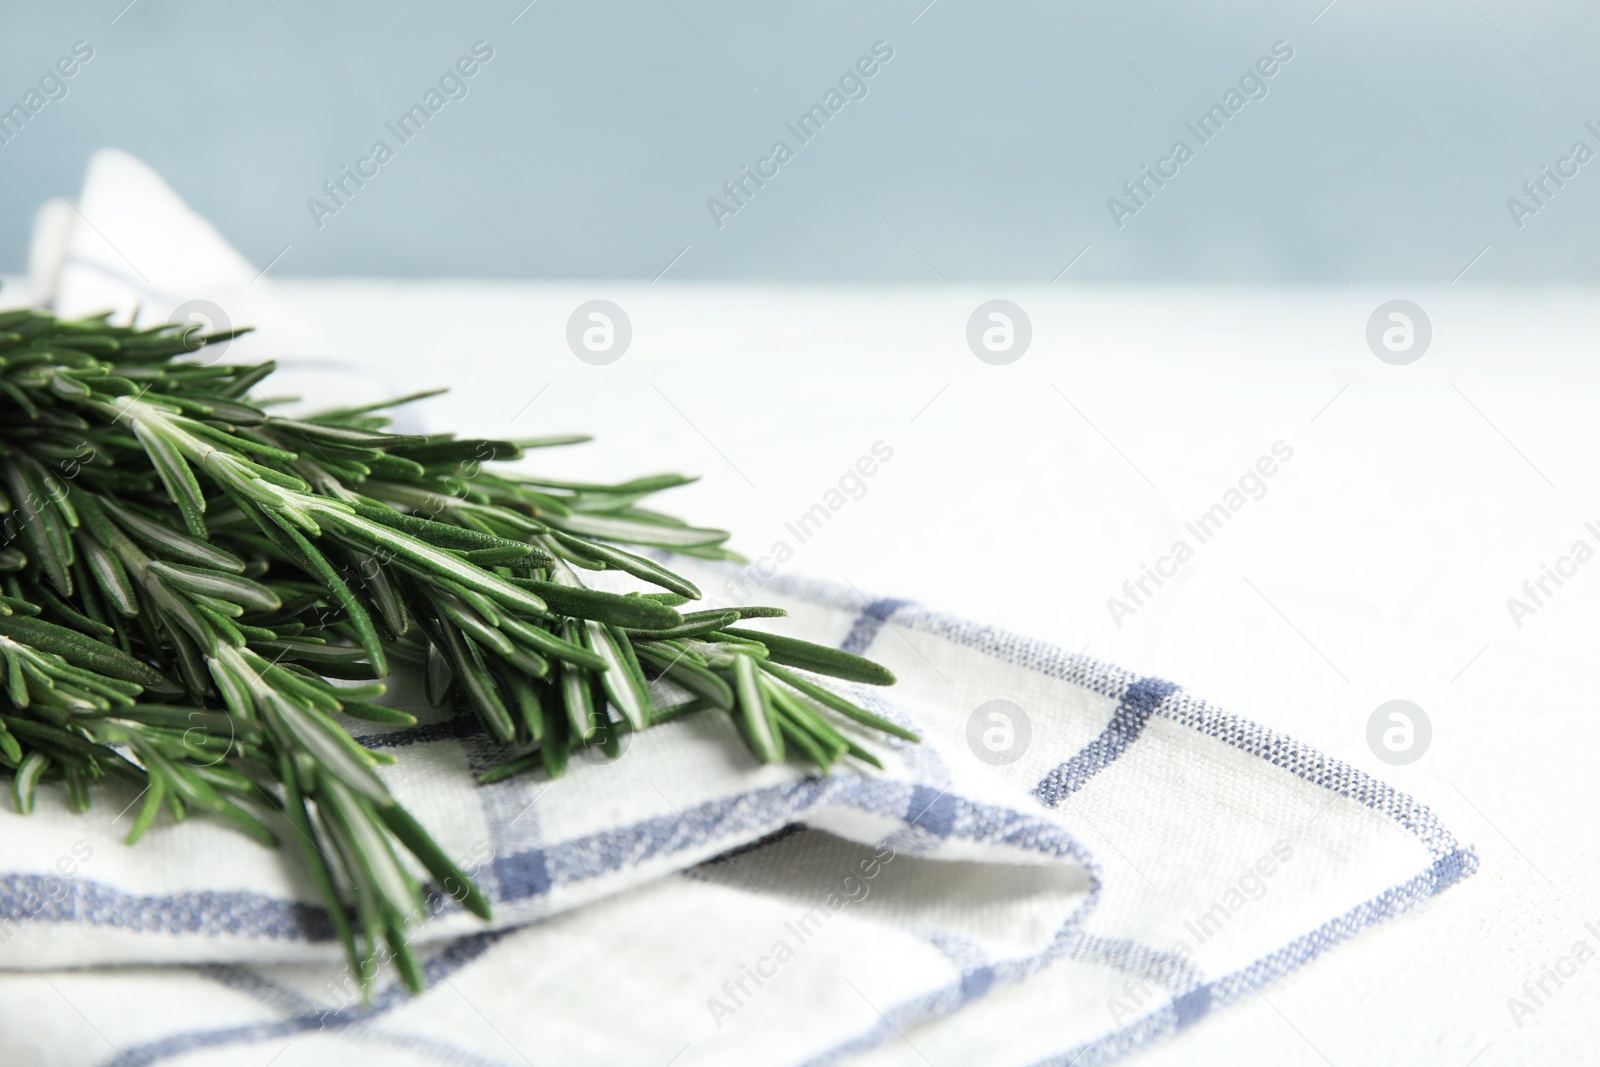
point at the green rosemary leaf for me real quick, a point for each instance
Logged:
(654, 483)
(405, 960)
(245, 593)
(180, 482)
(838, 703)
(425, 559)
(474, 624)
(450, 877)
(213, 408)
(69, 615)
(757, 612)
(14, 606)
(576, 556)
(553, 440)
(82, 651)
(678, 711)
(806, 743)
(245, 378)
(10, 747)
(501, 557)
(529, 706)
(334, 814)
(312, 856)
(113, 580)
(153, 799)
(442, 449)
(359, 823)
(332, 661)
(443, 534)
(390, 604)
(511, 768)
(526, 661)
(160, 539)
(241, 818)
(629, 563)
(293, 680)
(439, 676)
(322, 433)
(327, 744)
(385, 465)
(582, 603)
(864, 756)
(245, 441)
(575, 692)
(637, 533)
(795, 709)
(186, 657)
(554, 749)
(753, 715)
(38, 533)
(356, 611)
(26, 780)
(67, 745)
(819, 659)
(77, 787)
(475, 678)
(22, 399)
(623, 681)
(719, 646)
(697, 679)
(694, 624)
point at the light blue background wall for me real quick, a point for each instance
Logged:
(986, 148)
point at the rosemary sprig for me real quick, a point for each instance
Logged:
(181, 573)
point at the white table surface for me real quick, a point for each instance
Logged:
(1376, 566)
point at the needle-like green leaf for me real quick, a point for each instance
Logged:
(159, 526)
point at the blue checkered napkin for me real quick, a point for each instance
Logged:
(681, 793)
(1142, 860)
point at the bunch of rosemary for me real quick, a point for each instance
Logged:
(182, 573)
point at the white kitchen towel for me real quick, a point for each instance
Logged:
(1076, 861)
(131, 246)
